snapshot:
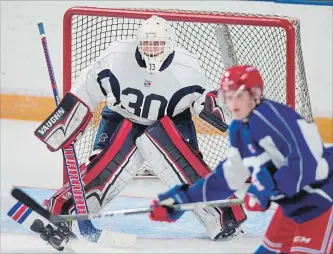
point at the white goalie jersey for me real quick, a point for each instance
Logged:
(120, 76)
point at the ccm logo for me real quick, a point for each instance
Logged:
(301, 239)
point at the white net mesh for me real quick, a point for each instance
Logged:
(217, 45)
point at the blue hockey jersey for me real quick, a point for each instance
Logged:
(277, 138)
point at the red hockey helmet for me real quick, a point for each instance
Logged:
(238, 78)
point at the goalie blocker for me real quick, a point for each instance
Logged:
(66, 122)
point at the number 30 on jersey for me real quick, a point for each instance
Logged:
(141, 105)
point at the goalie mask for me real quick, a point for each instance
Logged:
(156, 42)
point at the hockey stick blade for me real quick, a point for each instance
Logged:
(180, 207)
(30, 202)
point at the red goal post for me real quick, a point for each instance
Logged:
(272, 43)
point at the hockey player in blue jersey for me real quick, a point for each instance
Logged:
(286, 160)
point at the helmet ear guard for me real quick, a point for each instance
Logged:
(156, 42)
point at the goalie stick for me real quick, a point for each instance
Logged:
(30, 202)
(87, 229)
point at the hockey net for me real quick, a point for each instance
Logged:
(271, 43)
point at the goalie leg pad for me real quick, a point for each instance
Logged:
(175, 162)
(172, 159)
(187, 130)
(107, 174)
(65, 123)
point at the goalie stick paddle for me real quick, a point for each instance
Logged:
(27, 200)
(86, 228)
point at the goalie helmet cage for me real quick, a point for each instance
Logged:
(271, 43)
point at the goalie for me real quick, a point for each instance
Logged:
(152, 89)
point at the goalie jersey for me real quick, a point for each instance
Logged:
(120, 76)
(277, 138)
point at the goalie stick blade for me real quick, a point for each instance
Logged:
(30, 202)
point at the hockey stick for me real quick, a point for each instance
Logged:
(134, 211)
(27, 200)
(87, 229)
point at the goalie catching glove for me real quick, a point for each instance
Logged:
(212, 112)
(66, 122)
